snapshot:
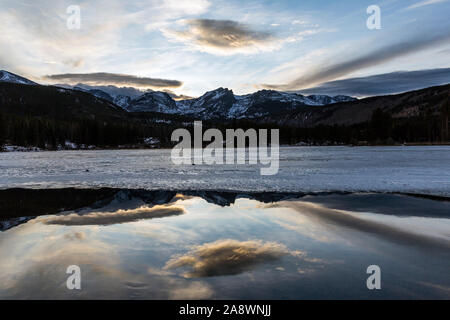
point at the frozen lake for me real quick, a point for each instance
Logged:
(424, 170)
(200, 244)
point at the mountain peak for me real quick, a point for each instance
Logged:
(6, 76)
(219, 92)
(156, 101)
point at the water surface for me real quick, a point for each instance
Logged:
(188, 248)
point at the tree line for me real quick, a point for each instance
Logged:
(48, 133)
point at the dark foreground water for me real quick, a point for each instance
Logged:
(190, 248)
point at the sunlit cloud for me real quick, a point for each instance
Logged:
(38, 41)
(222, 37)
(328, 72)
(424, 3)
(103, 78)
(176, 96)
(386, 83)
(191, 291)
(78, 235)
(167, 39)
(38, 38)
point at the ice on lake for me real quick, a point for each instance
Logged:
(420, 169)
(246, 244)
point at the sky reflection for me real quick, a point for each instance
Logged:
(192, 249)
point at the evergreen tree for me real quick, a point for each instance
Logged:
(2, 131)
(380, 125)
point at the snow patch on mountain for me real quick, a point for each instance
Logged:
(223, 103)
(154, 101)
(122, 101)
(6, 76)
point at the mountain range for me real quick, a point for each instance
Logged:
(49, 116)
(221, 103)
(264, 106)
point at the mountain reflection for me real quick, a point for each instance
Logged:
(119, 216)
(191, 248)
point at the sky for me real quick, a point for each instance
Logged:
(190, 47)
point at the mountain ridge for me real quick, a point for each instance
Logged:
(6, 76)
(220, 103)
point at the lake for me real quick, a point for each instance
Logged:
(307, 240)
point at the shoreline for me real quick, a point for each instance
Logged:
(408, 144)
(53, 200)
(14, 210)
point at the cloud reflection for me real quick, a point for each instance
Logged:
(228, 257)
(339, 218)
(119, 216)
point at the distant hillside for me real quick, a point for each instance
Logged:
(49, 117)
(418, 103)
(59, 103)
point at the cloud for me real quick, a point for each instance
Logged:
(227, 257)
(373, 58)
(386, 83)
(104, 78)
(222, 36)
(41, 272)
(191, 291)
(424, 3)
(75, 236)
(38, 37)
(175, 96)
(132, 92)
(119, 216)
(332, 218)
(39, 42)
(111, 90)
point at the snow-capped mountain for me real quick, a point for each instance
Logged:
(154, 101)
(213, 104)
(6, 76)
(97, 92)
(220, 103)
(321, 99)
(122, 101)
(113, 91)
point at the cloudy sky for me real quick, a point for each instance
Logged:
(189, 47)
